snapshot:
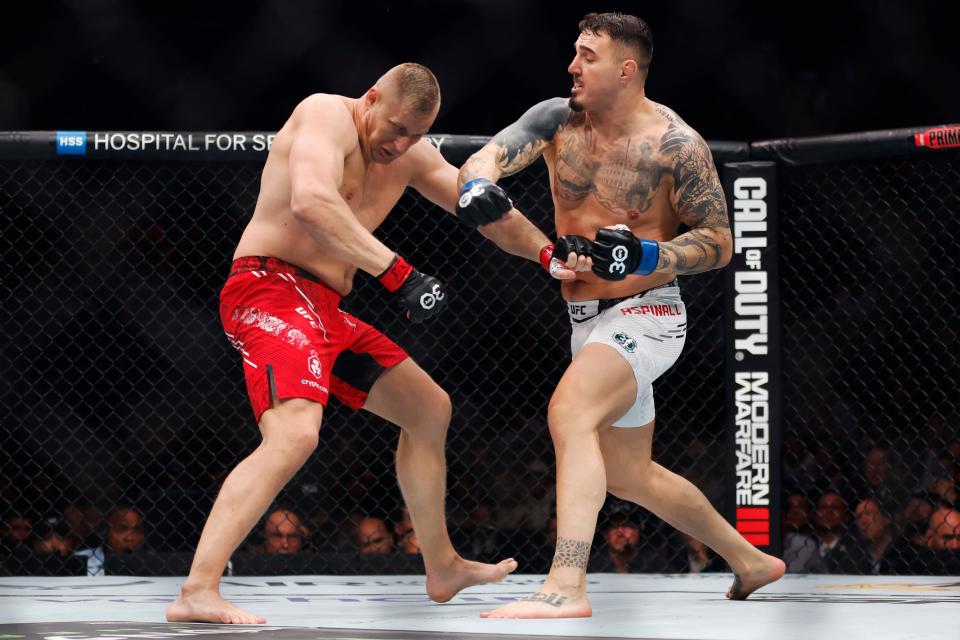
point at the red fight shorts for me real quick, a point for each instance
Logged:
(294, 339)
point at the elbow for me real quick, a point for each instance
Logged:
(726, 250)
(305, 208)
(464, 176)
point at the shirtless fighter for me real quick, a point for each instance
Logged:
(625, 173)
(335, 170)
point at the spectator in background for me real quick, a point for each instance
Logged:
(943, 530)
(84, 521)
(830, 520)
(372, 536)
(402, 526)
(55, 538)
(699, 558)
(908, 553)
(877, 479)
(874, 536)
(125, 534)
(404, 537)
(410, 543)
(799, 545)
(622, 552)
(17, 534)
(284, 533)
(912, 519)
(944, 491)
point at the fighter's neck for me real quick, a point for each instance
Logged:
(357, 112)
(622, 118)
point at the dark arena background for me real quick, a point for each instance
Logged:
(815, 402)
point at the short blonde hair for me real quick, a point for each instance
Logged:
(415, 84)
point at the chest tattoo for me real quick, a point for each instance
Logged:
(625, 177)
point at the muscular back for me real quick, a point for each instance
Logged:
(653, 174)
(370, 190)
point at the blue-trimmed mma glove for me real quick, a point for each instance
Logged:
(422, 296)
(618, 253)
(482, 202)
(553, 257)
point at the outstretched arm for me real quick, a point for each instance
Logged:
(519, 145)
(482, 203)
(436, 180)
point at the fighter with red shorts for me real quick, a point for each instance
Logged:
(335, 170)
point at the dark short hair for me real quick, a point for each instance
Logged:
(624, 28)
(620, 519)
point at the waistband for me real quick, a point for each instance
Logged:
(583, 310)
(274, 265)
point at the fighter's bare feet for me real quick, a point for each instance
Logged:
(767, 570)
(443, 585)
(546, 603)
(206, 605)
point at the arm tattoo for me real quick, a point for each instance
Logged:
(480, 165)
(572, 553)
(699, 200)
(520, 144)
(517, 146)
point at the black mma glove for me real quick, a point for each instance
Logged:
(482, 202)
(554, 257)
(422, 296)
(618, 253)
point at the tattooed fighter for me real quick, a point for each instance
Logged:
(625, 173)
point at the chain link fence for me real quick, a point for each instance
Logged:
(871, 359)
(122, 391)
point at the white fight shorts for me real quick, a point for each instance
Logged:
(647, 330)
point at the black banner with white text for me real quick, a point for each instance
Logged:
(753, 353)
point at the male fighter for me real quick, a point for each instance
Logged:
(334, 172)
(625, 173)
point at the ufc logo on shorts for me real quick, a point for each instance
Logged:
(619, 255)
(429, 300)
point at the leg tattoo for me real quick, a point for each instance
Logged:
(572, 553)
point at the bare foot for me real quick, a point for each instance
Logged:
(768, 570)
(441, 586)
(206, 605)
(545, 603)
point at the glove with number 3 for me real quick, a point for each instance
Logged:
(421, 295)
(617, 253)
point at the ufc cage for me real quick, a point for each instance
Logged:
(822, 360)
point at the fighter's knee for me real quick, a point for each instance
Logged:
(432, 416)
(293, 428)
(303, 439)
(564, 422)
(441, 410)
(443, 406)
